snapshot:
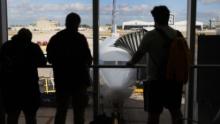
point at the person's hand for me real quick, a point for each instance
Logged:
(129, 63)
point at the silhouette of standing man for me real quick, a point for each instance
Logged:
(69, 54)
(2, 111)
(19, 61)
(160, 93)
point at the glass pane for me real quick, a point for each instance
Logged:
(208, 14)
(207, 45)
(44, 18)
(123, 24)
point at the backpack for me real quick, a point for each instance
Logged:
(178, 59)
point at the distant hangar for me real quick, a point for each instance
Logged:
(139, 24)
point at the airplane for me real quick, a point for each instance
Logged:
(115, 83)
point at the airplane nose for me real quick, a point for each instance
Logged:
(116, 77)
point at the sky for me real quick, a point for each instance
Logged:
(22, 12)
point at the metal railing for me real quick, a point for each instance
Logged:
(95, 91)
(109, 66)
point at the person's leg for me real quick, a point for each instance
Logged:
(30, 117)
(30, 105)
(79, 103)
(79, 115)
(30, 111)
(2, 116)
(2, 109)
(12, 116)
(153, 101)
(176, 116)
(153, 118)
(173, 101)
(62, 100)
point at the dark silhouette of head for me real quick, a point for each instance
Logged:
(73, 21)
(161, 15)
(25, 34)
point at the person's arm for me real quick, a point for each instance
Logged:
(40, 58)
(3, 55)
(50, 50)
(87, 52)
(1, 60)
(142, 49)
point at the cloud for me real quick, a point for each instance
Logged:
(210, 1)
(135, 8)
(207, 15)
(51, 7)
(126, 9)
(26, 10)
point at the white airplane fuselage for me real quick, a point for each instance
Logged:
(115, 83)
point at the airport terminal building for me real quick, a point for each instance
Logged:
(138, 24)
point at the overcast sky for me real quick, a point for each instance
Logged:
(29, 11)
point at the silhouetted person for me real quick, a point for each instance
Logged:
(2, 108)
(20, 59)
(161, 92)
(70, 56)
